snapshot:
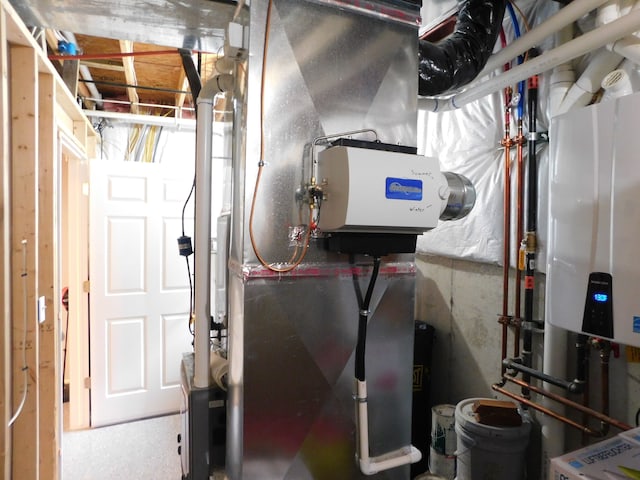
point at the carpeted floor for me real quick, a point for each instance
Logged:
(142, 450)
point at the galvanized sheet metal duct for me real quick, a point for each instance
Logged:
(458, 60)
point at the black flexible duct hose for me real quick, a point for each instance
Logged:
(460, 58)
(363, 304)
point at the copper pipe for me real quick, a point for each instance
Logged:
(507, 143)
(569, 403)
(519, 236)
(546, 411)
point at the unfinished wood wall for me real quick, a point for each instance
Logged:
(34, 107)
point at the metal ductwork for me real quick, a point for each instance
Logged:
(461, 57)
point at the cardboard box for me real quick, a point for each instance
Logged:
(617, 458)
(633, 435)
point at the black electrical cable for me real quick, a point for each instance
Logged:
(363, 305)
(186, 257)
(457, 60)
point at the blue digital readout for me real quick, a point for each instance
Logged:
(600, 297)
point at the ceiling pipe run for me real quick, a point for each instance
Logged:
(586, 43)
(565, 16)
(458, 60)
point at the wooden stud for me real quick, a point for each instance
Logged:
(48, 275)
(126, 46)
(5, 254)
(183, 83)
(24, 221)
(106, 65)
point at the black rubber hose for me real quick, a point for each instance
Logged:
(457, 60)
(191, 72)
(363, 305)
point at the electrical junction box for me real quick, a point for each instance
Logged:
(593, 268)
(379, 191)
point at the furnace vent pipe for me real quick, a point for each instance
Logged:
(586, 43)
(458, 60)
(202, 276)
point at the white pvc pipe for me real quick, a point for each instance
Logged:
(581, 92)
(175, 122)
(222, 260)
(616, 84)
(372, 465)
(563, 76)
(554, 364)
(202, 242)
(588, 42)
(564, 17)
(628, 47)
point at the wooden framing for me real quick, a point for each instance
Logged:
(48, 275)
(23, 76)
(126, 46)
(5, 252)
(36, 108)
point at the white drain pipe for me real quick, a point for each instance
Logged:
(372, 465)
(202, 237)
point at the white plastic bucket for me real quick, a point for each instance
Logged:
(429, 476)
(488, 453)
(442, 460)
(444, 466)
(443, 433)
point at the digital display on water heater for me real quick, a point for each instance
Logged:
(600, 297)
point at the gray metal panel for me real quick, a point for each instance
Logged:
(299, 340)
(193, 24)
(292, 336)
(327, 71)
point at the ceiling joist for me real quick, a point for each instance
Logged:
(126, 46)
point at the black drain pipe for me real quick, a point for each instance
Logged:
(457, 60)
(530, 236)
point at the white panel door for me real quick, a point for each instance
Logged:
(139, 299)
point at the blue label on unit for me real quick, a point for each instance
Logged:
(576, 464)
(403, 189)
(636, 324)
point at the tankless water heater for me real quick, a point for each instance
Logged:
(593, 267)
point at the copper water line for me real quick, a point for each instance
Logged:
(507, 143)
(565, 401)
(546, 411)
